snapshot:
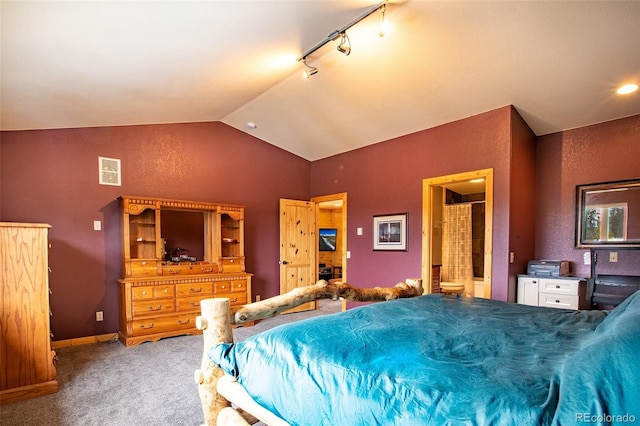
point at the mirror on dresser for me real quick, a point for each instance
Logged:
(608, 214)
(183, 234)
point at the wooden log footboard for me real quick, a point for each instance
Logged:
(216, 321)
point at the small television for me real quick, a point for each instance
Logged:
(327, 239)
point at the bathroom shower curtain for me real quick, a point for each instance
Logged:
(457, 263)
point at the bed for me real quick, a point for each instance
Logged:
(432, 359)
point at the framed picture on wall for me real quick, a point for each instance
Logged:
(390, 232)
(109, 171)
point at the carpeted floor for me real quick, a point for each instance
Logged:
(108, 384)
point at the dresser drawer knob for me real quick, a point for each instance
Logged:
(184, 322)
(234, 300)
(557, 286)
(166, 290)
(144, 292)
(144, 263)
(151, 308)
(224, 286)
(193, 290)
(174, 271)
(557, 301)
(144, 327)
(207, 270)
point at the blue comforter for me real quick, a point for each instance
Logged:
(445, 360)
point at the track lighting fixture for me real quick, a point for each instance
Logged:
(310, 70)
(345, 43)
(383, 22)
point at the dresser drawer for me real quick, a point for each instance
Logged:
(143, 268)
(153, 307)
(555, 300)
(232, 264)
(235, 299)
(189, 304)
(163, 324)
(152, 292)
(190, 268)
(550, 285)
(234, 286)
(194, 289)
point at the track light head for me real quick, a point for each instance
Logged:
(344, 49)
(310, 70)
(309, 73)
(384, 25)
(345, 44)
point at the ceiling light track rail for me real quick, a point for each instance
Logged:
(340, 33)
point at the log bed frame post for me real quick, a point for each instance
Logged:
(216, 324)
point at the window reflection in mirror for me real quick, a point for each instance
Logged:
(608, 214)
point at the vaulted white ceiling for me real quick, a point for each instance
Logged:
(68, 64)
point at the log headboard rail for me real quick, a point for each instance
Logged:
(216, 323)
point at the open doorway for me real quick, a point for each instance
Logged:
(331, 222)
(469, 196)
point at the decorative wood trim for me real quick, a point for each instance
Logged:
(180, 204)
(183, 279)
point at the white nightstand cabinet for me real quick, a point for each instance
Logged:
(558, 292)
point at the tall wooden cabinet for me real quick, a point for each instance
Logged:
(176, 253)
(27, 365)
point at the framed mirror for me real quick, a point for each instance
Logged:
(608, 214)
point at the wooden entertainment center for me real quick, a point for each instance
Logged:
(176, 253)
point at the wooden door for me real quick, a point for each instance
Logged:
(298, 266)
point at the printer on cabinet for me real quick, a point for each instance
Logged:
(548, 268)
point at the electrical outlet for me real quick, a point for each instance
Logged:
(613, 256)
(97, 225)
(99, 316)
(257, 297)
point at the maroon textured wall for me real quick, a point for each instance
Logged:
(387, 178)
(600, 153)
(52, 176)
(523, 201)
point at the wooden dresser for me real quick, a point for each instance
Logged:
(27, 367)
(176, 253)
